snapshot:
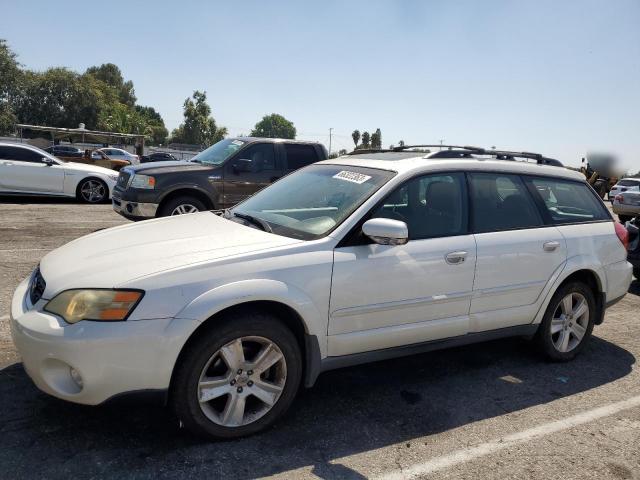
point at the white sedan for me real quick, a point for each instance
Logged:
(28, 170)
(120, 154)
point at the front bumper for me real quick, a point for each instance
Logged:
(133, 210)
(112, 358)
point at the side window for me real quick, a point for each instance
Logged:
(299, 156)
(567, 201)
(262, 156)
(431, 206)
(501, 202)
(23, 155)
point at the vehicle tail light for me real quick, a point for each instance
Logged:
(619, 198)
(622, 234)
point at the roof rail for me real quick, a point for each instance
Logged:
(460, 150)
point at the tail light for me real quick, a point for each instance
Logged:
(622, 234)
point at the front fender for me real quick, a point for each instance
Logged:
(244, 291)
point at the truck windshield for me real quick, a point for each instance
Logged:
(217, 153)
(312, 201)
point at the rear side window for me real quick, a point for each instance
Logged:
(568, 202)
(299, 156)
(501, 202)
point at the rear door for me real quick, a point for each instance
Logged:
(22, 170)
(517, 252)
(242, 179)
(299, 155)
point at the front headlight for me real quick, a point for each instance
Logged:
(143, 181)
(98, 305)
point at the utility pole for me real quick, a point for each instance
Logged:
(441, 140)
(330, 140)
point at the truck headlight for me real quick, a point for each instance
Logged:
(97, 305)
(143, 181)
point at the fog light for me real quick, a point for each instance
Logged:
(129, 208)
(76, 377)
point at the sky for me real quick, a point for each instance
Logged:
(557, 77)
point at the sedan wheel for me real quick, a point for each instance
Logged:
(92, 191)
(242, 381)
(570, 322)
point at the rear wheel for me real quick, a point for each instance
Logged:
(92, 190)
(568, 322)
(238, 378)
(181, 206)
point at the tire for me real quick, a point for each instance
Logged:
(92, 190)
(184, 204)
(205, 359)
(624, 218)
(636, 272)
(549, 339)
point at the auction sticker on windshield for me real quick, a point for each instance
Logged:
(354, 177)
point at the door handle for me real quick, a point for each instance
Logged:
(455, 258)
(550, 246)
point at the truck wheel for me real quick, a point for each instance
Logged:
(568, 322)
(182, 205)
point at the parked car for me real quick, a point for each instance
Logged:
(119, 154)
(218, 177)
(624, 185)
(98, 157)
(626, 205)
(633, 226)
(28, 170)
(158, 157)
(62, 151)
(343, 262)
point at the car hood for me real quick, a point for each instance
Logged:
(112, 257)
(85, 167)
(156, 168)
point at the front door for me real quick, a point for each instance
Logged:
(384, 296)
(23, 170)
(252, 169)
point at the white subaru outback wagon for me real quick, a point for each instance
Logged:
(226, 314)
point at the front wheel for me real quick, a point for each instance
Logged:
(568, 322)
(92, 190)
(181, 206)
(238, 377)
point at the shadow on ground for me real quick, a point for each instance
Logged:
(25, 200)
(348, 411)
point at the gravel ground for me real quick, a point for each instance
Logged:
(494, 410)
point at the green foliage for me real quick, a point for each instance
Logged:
(199, 127)
(10, 78)
(356, 137)
(366, 140)
(376, 139)
(274, 126)
(112, 76)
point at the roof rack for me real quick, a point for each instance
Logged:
(462, 151)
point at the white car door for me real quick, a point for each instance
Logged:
(385, 296)
(517, 252)
(23, 170)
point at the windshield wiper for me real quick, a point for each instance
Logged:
(255, 220)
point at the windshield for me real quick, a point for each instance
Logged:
(312, 201)
(217, 153)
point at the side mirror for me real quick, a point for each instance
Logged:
(242, 165)
(385, 231)
(47, 161)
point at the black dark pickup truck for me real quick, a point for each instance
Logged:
(216, 178)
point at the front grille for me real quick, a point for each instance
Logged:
(36, 289)
(123, 179)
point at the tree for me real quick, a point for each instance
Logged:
(366, 140)
(356, 137)
(199, 127)
(112, 76)
(401, 143)
(376, 139)
(274, 126)
(10, 78)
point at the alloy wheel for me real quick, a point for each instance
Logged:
(570, 322)
(184, 209)
(242, 381)
(92, 191)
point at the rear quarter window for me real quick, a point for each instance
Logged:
(567, 201)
